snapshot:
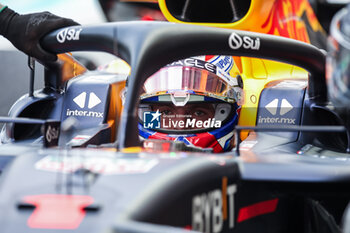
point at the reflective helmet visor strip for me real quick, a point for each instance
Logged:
(191, 76)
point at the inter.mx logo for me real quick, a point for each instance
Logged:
(151, 120)
(273, 105)
(81, 101)
(272, 108)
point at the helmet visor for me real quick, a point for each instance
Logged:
(192, 80)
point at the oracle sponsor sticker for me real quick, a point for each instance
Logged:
(107, 165)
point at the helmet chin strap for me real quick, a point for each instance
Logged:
(180, 98)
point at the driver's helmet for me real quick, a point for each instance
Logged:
(194, 101)
(338, 59)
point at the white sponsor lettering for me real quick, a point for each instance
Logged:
(217, 218)
(231, 190)
(277, 120)
(51, 133)
(195, 63)
(235, 41)
(80, 100)
(249, 43)
(207, 210)
(68, 34)
(84, 113)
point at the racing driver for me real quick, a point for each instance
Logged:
(193, 101)
(25, 31)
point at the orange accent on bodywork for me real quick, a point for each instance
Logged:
(238, 63)
(285, 19)
(70, 67)
(115, 107)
